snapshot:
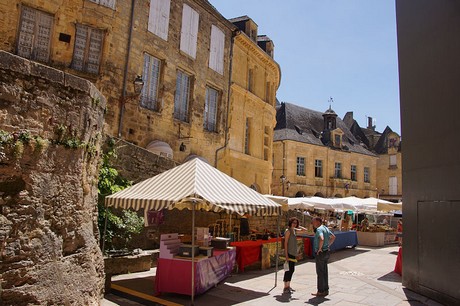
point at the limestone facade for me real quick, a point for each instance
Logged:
(50, 137)
(111, 42)
(315, 154)
(247, 155)
(389, 170)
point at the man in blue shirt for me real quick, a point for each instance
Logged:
(324, 238)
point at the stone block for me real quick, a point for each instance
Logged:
(47, 73)
(77, 83)
(15, 63)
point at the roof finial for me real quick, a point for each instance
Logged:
(330, 102)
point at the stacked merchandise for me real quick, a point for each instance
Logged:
(202, 236)
(169, 245)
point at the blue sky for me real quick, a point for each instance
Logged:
(344, 49)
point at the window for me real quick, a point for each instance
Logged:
(366, 175)
(189, 31)
(353, 173)
(108, 3)
(159, 18)
(318, 168)
(34, 38)
(210, 109)
(338, 170)
(392, 160)
(393, 185)
(182, 96)
(251, 80)
(338, 140)
(301, 166)
(216, 54)
(151, 78)
(88, 48)
(247, 134)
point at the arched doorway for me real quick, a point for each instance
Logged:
(255, 187)
(300, 194)
(338, 196)
(319, 194)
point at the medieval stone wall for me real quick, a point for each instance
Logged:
(50, 135)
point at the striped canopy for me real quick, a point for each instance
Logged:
(194, 182)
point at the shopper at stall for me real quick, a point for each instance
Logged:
(290, 251)
(324, 238)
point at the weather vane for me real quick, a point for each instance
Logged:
(330, 102)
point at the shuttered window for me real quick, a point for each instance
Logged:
(34, 38)
(247, 135)
(182, 96)
(88, 48)
(367, 178)
(210, 109)
(353, 175)
(189, 31)
(107, 3)
(159, 18)
(151, 78)
(216, 53)
(393, 185)
(301, 166)
(392, 160)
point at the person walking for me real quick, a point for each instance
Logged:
(290, 251)
(324, 238)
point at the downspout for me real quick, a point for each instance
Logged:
(125, 73)
(234, 34)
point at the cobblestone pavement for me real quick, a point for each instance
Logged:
(359, 276)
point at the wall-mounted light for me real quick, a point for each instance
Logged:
(182, 147)
(282, 179)
(288, 184)
(138, 84)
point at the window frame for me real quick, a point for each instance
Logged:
(367, 175)
(159, 16)
(216, 50)
(354, 173)
(106, 3)
(393, 162)
(247, 136)
(179, 114)
(300, 170)
(338, 170)
(89, 40)
(318, 168)
(189, 31)
(148, 99)
(206, 121)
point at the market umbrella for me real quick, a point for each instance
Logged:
(194, 185)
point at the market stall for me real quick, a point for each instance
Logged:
(377, 229)
(194, 185)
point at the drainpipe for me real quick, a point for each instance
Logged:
(125, 73)
(234, 34)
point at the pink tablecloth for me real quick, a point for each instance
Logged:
(175, 275)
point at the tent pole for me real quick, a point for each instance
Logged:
(193, 250)
(277, 248)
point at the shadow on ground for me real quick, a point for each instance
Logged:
(391, 277)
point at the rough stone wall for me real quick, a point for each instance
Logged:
(50, 124)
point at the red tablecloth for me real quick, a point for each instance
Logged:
(249, 252)
(398, 265)
(175, 275)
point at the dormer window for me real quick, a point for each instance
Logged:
(338, 140)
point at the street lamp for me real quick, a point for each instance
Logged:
(138, 84)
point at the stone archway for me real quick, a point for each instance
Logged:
(300, 194)
(319, 194)
(338, 196)
(255, 187)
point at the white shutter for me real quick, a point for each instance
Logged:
(392, 160)
(159, 18)
(189, 31)
(109, 3)
(42, 42)
(35, 34)
(216, 54)
(393, 182)
(26, 32)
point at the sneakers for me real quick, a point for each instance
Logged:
(286, 290)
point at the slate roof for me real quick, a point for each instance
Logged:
(305, 125)
(381, 146)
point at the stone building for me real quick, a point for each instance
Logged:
(387, 145)
(247, 155)
(316, 154)
(180, 48)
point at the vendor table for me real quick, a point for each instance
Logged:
(342, 240)
(249, 252)
(398, 265)
(175, 275)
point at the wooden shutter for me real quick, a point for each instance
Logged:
(189, 31)
(108, 3)
(393, 188)
(80, 46)
(94, 50)
(88, 48)
(35, 34)
(216, 55)
(159, 18)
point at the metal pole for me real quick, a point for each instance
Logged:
(105, 229)
(193, 250)
(277, 248)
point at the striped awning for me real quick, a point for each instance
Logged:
(194, 183)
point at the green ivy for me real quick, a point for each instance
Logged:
(121, 226)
